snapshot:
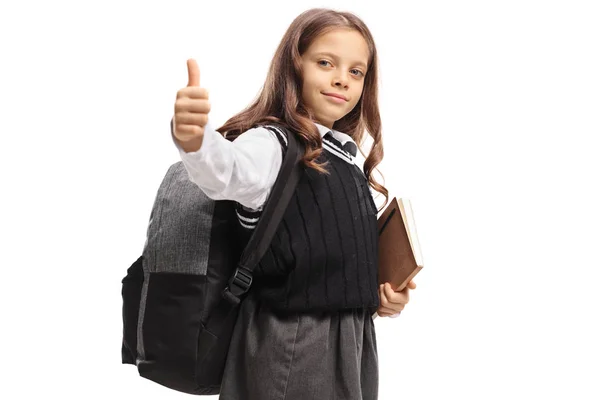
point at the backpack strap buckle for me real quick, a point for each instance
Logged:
(238, 285)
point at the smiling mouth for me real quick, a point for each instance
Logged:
(335, 96)
(335, 99)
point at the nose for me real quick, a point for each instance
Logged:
(341, 80)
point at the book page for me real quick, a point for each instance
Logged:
(405, 207)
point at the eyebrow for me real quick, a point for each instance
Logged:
(325, 53)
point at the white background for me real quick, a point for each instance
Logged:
(490, 115)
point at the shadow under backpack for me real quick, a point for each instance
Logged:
(181, 296)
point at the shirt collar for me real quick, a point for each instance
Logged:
(339, 136)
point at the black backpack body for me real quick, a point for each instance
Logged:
(181, 296)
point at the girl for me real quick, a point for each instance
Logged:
(305, 329)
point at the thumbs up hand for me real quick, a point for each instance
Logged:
(191, 111)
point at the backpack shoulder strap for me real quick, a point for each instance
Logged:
(272, 214)
(240, 282)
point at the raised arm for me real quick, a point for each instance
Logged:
(243, 170)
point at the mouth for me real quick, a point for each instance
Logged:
(338, 96)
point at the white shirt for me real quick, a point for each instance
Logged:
(243, 170)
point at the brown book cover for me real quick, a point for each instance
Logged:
(399, 255)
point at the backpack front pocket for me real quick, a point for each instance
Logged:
(172, 318)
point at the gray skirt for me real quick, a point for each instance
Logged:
(301, 356)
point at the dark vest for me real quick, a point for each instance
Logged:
(324, 254)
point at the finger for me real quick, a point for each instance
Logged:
(189, 131)
(193, 73)
(385, 302)
(409, 285)
(190, 119)
(382, 296)
(390, 310)
(389, 292)
(384, 314)
(192, 92)
(192, 106)
(396, 297)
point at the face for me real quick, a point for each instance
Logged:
(334, 63)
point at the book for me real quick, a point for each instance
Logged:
(399, 252)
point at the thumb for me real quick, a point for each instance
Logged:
(193, 73)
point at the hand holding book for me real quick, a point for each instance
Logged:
(399, 256)
(392, 302)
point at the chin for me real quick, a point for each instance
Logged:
(334, 116)
(326, 121)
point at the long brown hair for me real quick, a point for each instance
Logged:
(280, 99)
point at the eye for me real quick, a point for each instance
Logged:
(360, 73)
(323, 61)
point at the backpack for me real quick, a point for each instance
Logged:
(181, 296)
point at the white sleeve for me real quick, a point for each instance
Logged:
(243, 170)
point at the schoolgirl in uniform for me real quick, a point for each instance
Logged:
(305, 329)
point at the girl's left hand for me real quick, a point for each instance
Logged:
(391, 302)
